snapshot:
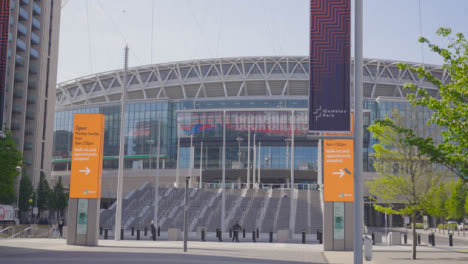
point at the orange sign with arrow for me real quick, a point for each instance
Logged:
(86, 165)
(338, 170)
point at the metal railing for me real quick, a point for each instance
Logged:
(22, 232)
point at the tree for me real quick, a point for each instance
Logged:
(58, 199)
(450, 109)
(26, 193)
(455, 204)
(406, 178)
(43, 194)
(10, 158)
(436, 201)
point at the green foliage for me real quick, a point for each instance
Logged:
(26, 193)
(437, 197)
(466, 205)
(58, 199)
(448, 226)
(455, 203)
(43, 193)
(10, 158)
(405, 175)
(450, 111)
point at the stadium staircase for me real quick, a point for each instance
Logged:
(266, 209)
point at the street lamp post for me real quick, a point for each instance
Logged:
(239, 140)
(20, 170)
(150, 142)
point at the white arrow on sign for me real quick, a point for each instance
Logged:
(341, 173)
(87, 171)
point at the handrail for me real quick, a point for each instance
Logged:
(13, 236)
(5, 229)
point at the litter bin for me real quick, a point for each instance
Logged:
(368, 248)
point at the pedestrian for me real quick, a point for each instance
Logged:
(153, 230)
(237, 228)
(60, 226)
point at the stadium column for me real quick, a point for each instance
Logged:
(259, 163)
(254, 167)
(248, 157)
(178, 161)
(201, 165)
(156, 180)
(223, 184)
(292, 211)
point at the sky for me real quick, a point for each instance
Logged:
(93, 33)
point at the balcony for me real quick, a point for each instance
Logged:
(36, 9)
(23, 14)
(17, 109)
(28, 132)
(31, 99)
(25, 2)
(27, 160)
(17, 92)
(32, 84)
(27, 145)
(35, 38)
(33, 68)
(34, 53)
(20, 61)
(15, 126)
(20, 44)
(22, 29)
(30, 115)
(12, 4)
(36, 24)
(19, 77)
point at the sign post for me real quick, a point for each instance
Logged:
(85, 180)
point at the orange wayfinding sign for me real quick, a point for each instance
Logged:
(338, 170)
(86, 164)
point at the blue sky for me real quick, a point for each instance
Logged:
(93, 41)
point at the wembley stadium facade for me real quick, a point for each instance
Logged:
(252, 97)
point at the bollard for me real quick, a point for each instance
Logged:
(433, 240)
(159, 231)
(243, 233)
(203, 235)
(271, 236)
(451, 240)
(100, 230)
(258, 233)
(419, 239)
(217, 233)
(105, 233)
(320, 238)
(220, 236)
(303, 237)
(230, 233)
(253, 236)
(121, 234)
(373, 238)
(146, 231)
(429, 239)
(138, 234)
(405, 238)
(133, 231)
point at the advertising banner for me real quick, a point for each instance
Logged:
(4, 18)
(86, 166)
(329, 93)
(338, 170)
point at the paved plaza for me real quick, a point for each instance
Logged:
(131, 251)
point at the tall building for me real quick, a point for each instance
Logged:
(31, 74)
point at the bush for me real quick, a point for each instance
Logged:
(446, 226)
(418, 226)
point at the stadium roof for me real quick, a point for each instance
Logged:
(235, 78)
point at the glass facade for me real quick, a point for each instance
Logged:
(202, 121)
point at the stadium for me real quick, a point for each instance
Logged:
(260, 103)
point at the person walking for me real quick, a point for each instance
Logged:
(236, 228)
(153, 230)
(60, 226)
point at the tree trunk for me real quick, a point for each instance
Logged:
(415, 236)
